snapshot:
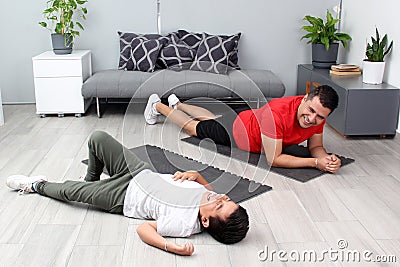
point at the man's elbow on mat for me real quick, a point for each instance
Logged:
(274, 162)
(272, 149)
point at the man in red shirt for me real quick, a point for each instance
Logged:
(270, 129)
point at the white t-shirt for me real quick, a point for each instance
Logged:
(173, 204)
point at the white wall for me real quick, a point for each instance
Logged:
(359, 20)
(22, 38)
(270, 34)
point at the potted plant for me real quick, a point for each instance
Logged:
(324, 39)
(64, 15)
(374, 66)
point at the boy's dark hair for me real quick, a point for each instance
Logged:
(232, 230)
(327, 96)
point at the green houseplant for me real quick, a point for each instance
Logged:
(324, 39)
(374, 65)
(63, 17)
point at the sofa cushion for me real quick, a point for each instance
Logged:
(176, 53)
(144, 54)
(190, 38)
(214, 52)
(247, 84)
(233, 60)
(194, 39)
(125, 43)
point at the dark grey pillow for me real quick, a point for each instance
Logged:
(125, 43)
(233, 60)
(144, 54)
(175, 54)
(192, 39)
(214, 52)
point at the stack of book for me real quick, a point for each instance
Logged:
(345, 69)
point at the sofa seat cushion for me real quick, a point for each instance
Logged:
(247, 84)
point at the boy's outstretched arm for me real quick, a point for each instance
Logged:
(148, 233)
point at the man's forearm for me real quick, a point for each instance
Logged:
(318, 152)
(288, 161)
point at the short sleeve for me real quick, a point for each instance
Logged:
(271, 124)
(173, 226)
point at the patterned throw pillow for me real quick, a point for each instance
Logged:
(194, 40)
(175, 54)
(125, 41)
(233, 57)
(144, 54)
(190, 38)
(214, 52)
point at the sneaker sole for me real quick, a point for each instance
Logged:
(147, 110)
(173, 105)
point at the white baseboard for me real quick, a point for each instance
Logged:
(18, 103)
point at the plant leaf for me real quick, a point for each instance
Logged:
(384, 41)
(310, 29)
(377, 35)
(388, 50)
(79, 25)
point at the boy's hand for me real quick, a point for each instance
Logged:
(185, 250)
(188, 175)
(192, 176)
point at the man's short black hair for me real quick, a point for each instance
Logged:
(231, 230)
(327, 96)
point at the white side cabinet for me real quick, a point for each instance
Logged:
(58, 82)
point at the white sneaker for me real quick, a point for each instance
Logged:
(23, 183)
(173, 100)
(150, 112)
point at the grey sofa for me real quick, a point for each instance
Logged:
(248, 85)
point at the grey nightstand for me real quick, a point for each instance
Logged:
(364, 109)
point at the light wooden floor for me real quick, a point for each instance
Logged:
(360, 204)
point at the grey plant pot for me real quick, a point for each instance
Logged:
(62, 43)
(324, 59)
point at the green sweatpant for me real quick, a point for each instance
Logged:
(107, 194)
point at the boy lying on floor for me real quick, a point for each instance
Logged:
(181, 204)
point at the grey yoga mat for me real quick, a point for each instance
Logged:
(237, 188)
(298, 174)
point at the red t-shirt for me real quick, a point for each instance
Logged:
(277, 119)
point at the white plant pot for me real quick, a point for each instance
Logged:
(373, 72)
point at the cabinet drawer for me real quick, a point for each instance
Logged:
(57, 68)
(62, 95)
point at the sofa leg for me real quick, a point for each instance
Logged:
(98, 107)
